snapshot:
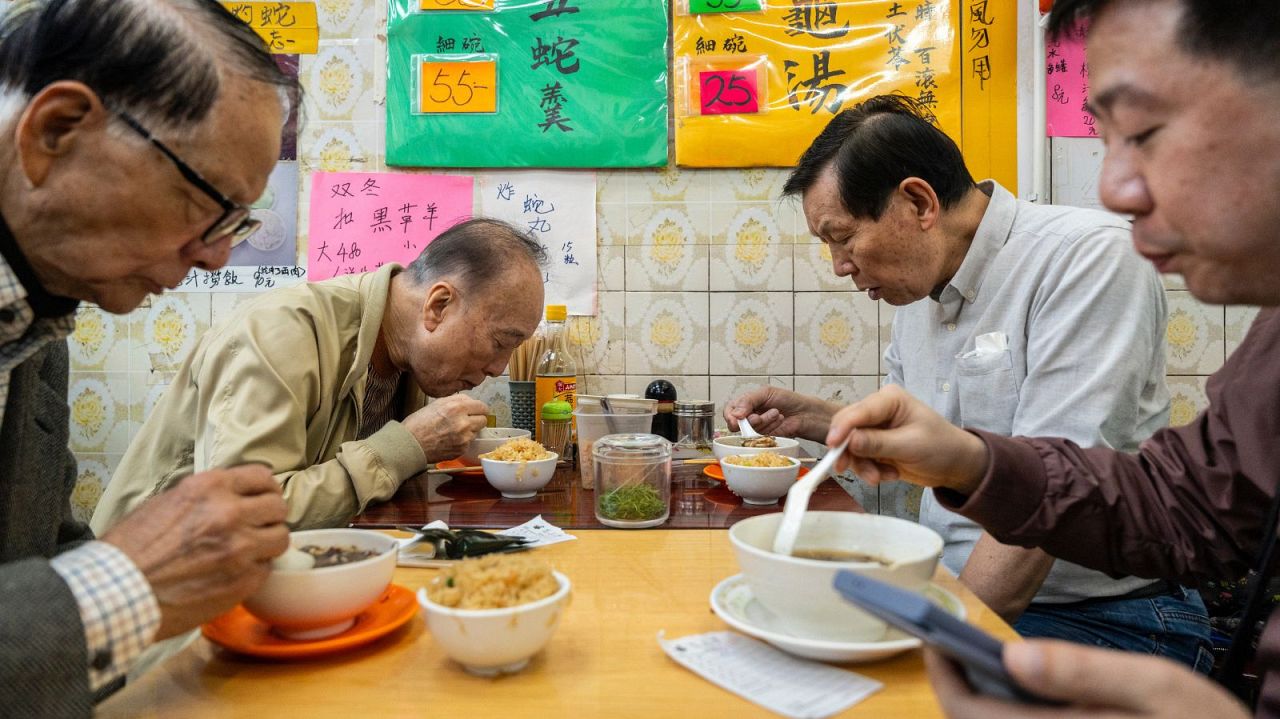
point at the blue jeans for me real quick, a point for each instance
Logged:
(1172, 625)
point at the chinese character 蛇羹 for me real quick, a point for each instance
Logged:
(558, 53)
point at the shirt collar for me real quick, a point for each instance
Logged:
(13, 264)
(990, 238)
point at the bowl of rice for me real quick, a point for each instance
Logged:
(519, 467)
(732, 444)
(759, 478)
(492, 614)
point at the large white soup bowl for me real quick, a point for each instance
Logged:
(315, 603)
(732, 444)
(799, 591)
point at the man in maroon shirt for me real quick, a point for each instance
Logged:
(1187, 96)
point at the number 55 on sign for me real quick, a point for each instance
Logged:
(455, 84)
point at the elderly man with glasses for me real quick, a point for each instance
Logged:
(95, 207)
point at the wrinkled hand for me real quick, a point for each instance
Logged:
(445, 426)
(893, 435)
(781, 412)
(1096, 683)
(205, 544)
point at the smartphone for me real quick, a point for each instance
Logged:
(978, 653)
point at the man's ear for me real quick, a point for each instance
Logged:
(926, 207)
(440, 297)
(55, 120)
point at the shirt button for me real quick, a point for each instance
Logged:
(946, 386)
(951, 326)
(7, 315)
(101, 659)
(970, 294)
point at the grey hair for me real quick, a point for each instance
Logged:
(476, 253)
(162, 61)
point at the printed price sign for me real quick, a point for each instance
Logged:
(699, 7)
(728, 92)
(471, 5)
(449, 87)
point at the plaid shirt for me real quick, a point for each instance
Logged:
(117, 608)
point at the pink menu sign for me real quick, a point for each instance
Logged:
(362, 220)
(1067, 85)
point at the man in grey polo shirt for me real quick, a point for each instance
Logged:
(1015, 318)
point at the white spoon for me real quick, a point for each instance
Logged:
(798, 500)
(746, 431)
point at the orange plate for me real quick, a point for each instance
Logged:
(240, 631)
(713, 471)
(455, 463)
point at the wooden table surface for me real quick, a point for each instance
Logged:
(604, 659)
(470, 502)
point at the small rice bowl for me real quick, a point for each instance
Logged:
(494, 581)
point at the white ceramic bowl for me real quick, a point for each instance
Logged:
(488, 642)
(316, 603)
(759, 485)
(732, 444)
(489, 439)
(519, 480)
(799, 591)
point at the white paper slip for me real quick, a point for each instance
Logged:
(777, 681)
(540, 531)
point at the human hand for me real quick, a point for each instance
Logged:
(780, 412)
(893, 435)
(205, 544)
(1095, 683)
(446, 426)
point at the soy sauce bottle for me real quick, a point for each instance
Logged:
(664, 422)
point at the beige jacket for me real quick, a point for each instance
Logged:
(281, 382)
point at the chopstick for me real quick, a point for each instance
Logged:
(713, 460)
(454, 470)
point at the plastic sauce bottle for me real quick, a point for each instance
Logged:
(556, 377)
(557, 418)
(664, 422)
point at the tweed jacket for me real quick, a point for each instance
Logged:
(43, 658)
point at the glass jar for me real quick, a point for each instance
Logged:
(695, 423)
(632, 480)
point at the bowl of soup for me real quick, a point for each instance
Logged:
(352, 568)
(797, 588)
(734, 444)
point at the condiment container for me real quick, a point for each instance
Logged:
(557, 423)
(632, 480)
(695, 423)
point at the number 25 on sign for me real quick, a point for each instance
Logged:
(728, 92)
(470, 86)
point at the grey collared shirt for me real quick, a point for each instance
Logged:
(1052, 326)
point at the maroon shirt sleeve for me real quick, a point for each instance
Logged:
(1190, 504)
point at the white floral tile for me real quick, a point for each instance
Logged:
(350, 18)
(100, 340)
(837, 333)
(611, 186)
(667, 333)
(1186, 399)
(668, 184)
(687, 387)
(751, 333)
(667, 224)
(170, 328)
(93, 472)
(1239, 319)
(724, 389)
(841, 389)
(1194, 336)
(602, 384)
(611, 223)
(339, 82)
(1173, 282)
(750, 250)
(599, 343)
(813, 271)
(496, 393)
(224, 304)
(748, 184)
(99, 408)
(886, 312)
(339, 147)
(667, 267)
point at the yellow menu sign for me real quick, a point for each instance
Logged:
(814, 58)
(470, 86)
(288, 28)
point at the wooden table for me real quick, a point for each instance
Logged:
(603, 661)
(470, 502)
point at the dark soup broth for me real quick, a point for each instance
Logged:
(839, 555)
(333, 556)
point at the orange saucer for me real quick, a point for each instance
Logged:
(456, 463)
(715, 472)
(240, 631)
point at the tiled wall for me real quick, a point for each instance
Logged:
(706, 279)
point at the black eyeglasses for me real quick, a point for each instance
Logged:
(234, 222)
